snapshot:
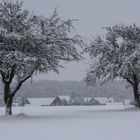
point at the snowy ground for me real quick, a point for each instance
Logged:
(112, 122)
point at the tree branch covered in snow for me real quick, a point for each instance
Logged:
(31, 43)
(117, 55)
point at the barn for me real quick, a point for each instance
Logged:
(61, 101)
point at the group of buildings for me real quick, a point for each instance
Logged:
(62, 101)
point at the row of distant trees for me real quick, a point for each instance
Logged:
(32, 44)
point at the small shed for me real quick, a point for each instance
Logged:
(77, 100)
(93, 101)
(61, 101)
(41, 101)
(20, 101)
(104, 100)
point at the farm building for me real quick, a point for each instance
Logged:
(41, 101)
(61, 101)
(77, 101)
(67, 100)
(20, 101)
(93, 101)
(104, 100)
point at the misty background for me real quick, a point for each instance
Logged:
(119, 90)
(92, 15)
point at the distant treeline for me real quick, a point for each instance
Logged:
(45, 88)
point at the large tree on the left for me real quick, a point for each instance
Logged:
(29, 44)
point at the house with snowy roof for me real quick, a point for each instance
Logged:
(105, 100)
(77, 100)
(20, 101)
(91, 101)
(61, 101)
(98, 100)
(41, 101)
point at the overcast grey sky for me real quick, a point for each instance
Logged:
(92, 16)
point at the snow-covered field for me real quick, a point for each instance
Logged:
(112, 122)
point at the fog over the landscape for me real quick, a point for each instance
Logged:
(92, 16)
(97, 98)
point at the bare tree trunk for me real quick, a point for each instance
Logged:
(7, 99)
(136, 95)
(8, 106)
(136, 90)
(8, 94)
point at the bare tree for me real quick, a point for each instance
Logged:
(117, 55)
(29, 44)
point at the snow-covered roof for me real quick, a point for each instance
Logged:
(67, 98)
(40, 101)
(87, 99)
(104, 99)
(101, 99)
